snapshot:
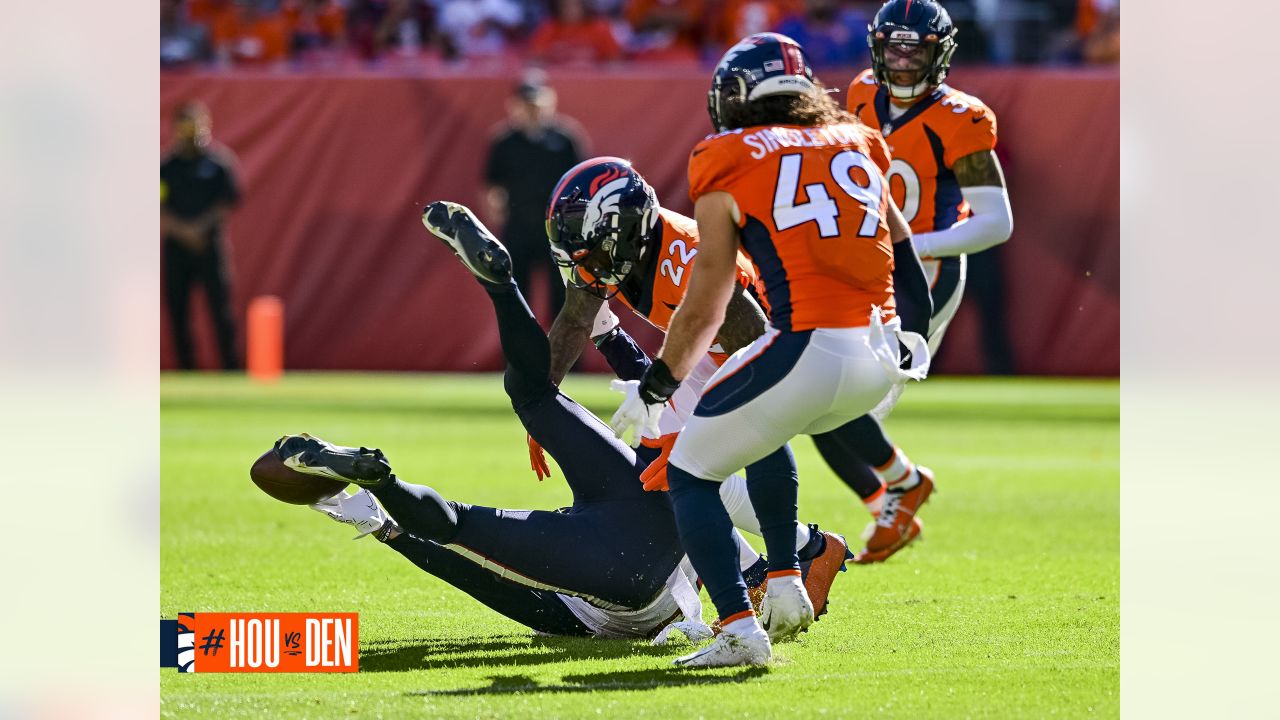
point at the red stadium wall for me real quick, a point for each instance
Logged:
(335, 170)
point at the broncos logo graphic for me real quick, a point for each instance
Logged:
(604, 203)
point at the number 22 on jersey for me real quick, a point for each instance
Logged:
(820, 208)
(677, 249)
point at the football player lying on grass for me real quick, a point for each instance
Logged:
(610, 565)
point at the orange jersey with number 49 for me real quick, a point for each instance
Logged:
(812, 203)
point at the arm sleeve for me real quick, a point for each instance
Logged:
(623, 354)
(911, 289)
(990, 224)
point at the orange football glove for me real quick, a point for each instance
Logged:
(537, 460)
(654, 477)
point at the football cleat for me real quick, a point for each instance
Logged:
(469, 240)
(358, 510)
(822, 571)
(787, 610)
(313, 456)
(730, 650)
(897, 526)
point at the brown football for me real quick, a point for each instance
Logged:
(288, 485)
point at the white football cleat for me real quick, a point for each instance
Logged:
(787, 610)
(360, 511)
(731, 650)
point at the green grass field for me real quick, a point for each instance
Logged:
(1008, 608)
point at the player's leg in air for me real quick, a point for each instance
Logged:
(615, 549)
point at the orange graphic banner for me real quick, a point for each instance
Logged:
(271, 642)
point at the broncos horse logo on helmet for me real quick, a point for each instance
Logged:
(907, 28)
(758, 66)
(601, 217)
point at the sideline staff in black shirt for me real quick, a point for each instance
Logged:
(197, 190)
(526, 158)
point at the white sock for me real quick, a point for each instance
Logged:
(899, 473)
(875, 503)
(743, 626)
(802, 536)
(747, 555)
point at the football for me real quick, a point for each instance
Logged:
(288, 485)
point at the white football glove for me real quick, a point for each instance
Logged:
(360, 511)
(634, 414)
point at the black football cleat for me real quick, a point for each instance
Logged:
(313, 456)
(470, 240)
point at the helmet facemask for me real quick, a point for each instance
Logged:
(908, 65)
(609, 251)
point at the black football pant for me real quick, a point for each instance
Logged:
(184, 269)
(616, 543)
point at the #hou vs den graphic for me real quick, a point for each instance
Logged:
(261, 642)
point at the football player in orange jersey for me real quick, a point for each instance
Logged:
(609, 234)
(945, 177)
(790, 180)
(613, 239)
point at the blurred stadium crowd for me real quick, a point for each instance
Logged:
(335, 34)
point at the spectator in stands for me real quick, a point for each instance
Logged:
(315, 25)
(740, 18)
(469, 28)
(252, 33)
(664, 29)
(182, 41)
(571, 36)
(528, 155)
(378, 27)
(198, 189)
(1098, 28)
(832, 35)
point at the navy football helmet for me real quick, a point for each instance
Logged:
(906, 28)
(601, 217)
(758, 66)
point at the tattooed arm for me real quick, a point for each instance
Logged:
(571, 330)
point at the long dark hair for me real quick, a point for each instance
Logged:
(813, 109)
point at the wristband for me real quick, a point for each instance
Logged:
(657, 385)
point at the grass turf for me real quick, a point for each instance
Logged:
(1008, 608)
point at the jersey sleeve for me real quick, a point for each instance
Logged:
(975, 131)
(712, 166)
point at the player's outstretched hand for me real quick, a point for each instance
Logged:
(654, 477)
(634, 413)
(538, 459)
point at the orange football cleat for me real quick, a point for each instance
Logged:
(822, 572)
(897, 526)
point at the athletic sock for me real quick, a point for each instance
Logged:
(742, 626)
(898, 474)
(774, 491)
(875, 502)
(707, 536)
(814, 547)
(419, 510)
